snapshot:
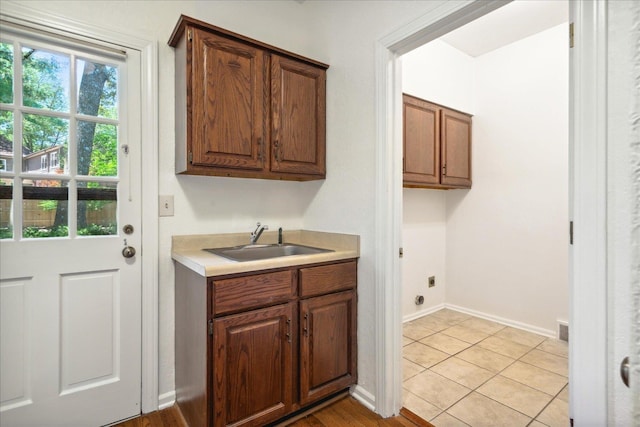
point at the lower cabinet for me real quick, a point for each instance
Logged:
(253, 348)
(253, 366)
(327, 345)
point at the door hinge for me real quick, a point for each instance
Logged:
(571, 35)
(190, 156)
(571, 232)
(190, 34)
(210, 324)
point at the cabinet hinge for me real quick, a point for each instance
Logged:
(189, 34)
(210, 324)
(571, 35)
(571, 232)
(190, 156)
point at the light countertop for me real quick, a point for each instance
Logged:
(189, 250)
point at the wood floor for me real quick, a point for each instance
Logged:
(345, 412)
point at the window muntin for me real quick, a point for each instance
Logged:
(66, 113)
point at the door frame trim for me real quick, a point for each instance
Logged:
(149, 174)
(587, 187)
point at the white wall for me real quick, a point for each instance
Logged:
(442, 74)
(340, 33)
(424, 234)
(507, 238)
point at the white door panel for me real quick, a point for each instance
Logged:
(71, 333)
(70, 343)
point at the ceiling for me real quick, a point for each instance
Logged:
(510, 23)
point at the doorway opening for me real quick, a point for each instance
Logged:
(587, 199)
(499, 250)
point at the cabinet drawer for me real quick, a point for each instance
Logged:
(246, 292)
(327, 278)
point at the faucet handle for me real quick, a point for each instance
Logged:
(255, 235)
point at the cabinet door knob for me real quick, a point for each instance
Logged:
(260, 149)
(306, 325)
(277, 151)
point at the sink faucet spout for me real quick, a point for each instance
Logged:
(253, 239)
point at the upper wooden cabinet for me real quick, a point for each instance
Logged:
(436, 145)
(244, 108)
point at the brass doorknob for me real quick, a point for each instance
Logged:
(128, 252)
(624, 371)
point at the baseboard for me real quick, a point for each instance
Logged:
(424, 312)
(364, 397)
(508, 322)
(166, 400)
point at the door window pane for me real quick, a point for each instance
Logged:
(42, 136)
(97, 209)
(6, 73)
(6, 196)
(45, 208)
(97, 89)
(45, 79)
(97, 149)
(6, 141)
(55, 99)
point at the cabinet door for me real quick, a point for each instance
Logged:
(327, 345)
(253, 368)
(421, 161)
(298, 117)
(456, 149)
(227, 97)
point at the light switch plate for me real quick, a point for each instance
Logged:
(165, 205)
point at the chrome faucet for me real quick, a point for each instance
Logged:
(257, 233)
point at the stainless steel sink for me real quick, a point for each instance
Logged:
(258, 252)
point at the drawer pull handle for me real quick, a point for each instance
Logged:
(288, 330)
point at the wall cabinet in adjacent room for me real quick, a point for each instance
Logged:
(436, 145)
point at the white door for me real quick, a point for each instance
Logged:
(70, 302)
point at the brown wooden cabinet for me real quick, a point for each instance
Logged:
(253, 366)
(436, 145)
(244, 108)
(327, 345)
(252, 348)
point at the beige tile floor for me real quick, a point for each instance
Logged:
(460, 370)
